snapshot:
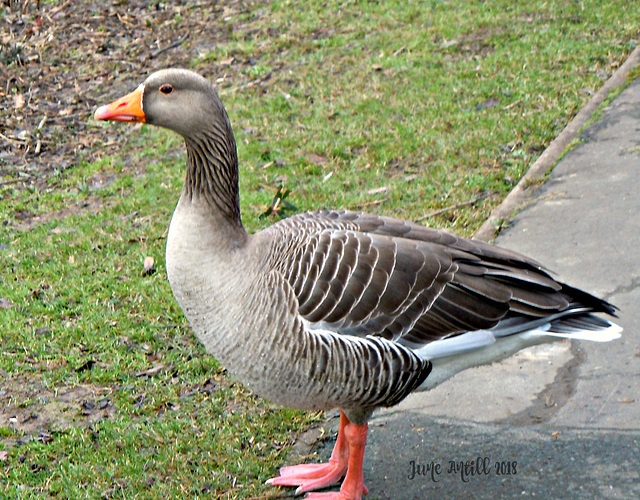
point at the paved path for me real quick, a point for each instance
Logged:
(560, 420)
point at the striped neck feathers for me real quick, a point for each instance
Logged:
(212, 171)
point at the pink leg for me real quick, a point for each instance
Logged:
(346, 457)
(353, 485)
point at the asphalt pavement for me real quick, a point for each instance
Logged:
(560, 420)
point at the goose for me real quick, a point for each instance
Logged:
(335, 308)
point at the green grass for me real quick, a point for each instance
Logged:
(351, 97)
(398, 106)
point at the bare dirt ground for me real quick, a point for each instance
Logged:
(59, 61)
(28, 405)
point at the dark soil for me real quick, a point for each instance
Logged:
(32, 408)
(59, 61)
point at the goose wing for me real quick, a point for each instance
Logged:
(362, 274)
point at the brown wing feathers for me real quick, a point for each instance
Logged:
(369, 275)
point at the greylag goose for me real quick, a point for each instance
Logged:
(338, 309)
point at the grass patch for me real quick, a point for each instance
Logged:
(400, 108)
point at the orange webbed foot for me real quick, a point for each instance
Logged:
(347, 457)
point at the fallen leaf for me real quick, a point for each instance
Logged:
(18, 101)
(315, 159)
(153, 436)
(148, 266)
(60, 230)
(489, 103)
(6, 304)
(151, 371)
(379, 190)
(449, 43)
(45, 437)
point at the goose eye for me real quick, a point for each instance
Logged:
(166, 89)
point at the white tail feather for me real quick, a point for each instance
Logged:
(455, 354)
(607, 335)
(459, 344)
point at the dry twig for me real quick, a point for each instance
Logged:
(454, 206)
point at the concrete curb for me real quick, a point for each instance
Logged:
(547, 160)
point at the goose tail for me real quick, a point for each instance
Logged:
(454, 354)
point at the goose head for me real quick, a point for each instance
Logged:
(177, 99)
(185, 102)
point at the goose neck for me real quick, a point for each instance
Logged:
(212, 174)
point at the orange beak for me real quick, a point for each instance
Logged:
(125, 109)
